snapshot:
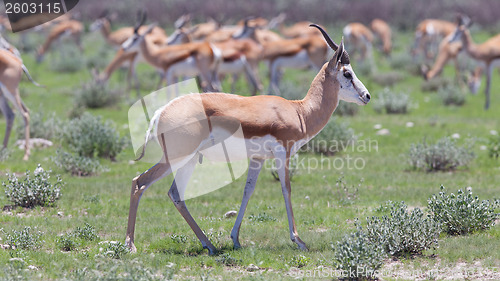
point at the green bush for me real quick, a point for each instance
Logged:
(87, 233)
(67, 59)
(33, 190)
(73, 240)
(262, 217)
(387, 79)
(89, 136)
(77, 165)
(435, 84)
(67, 242)
(452, 95)
(96, 95)
(403, 232)
(293, 167)
(462, 213)
(444, 155)
(227, 260)
(335, 137)
(25, 239)
(493, 146)
(299, 261)
(357, 256)
(41, 126)
(401, 61)
(346, 109)
(113, 249)
(392, 102)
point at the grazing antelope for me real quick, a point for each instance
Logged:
(487, 52)
(447, 51)
(273, 127)
(69, 27)
(361, 38)
(191, 59)
(383, 31)
(11, 71)
(427, 34)
(302, 52)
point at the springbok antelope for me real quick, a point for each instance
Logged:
(273, 127)
(200, 58)
(427, 34)
(447, 51)
(487, 52)
(11, 71)
(383, 32)
(69, 27)
(360, 38)
(301, 52)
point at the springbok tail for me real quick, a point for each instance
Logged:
(25, 70)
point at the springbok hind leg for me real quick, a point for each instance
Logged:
(139, 185)
(176, 193)
(9, 117)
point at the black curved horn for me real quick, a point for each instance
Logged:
(141, 19)
(330, 42)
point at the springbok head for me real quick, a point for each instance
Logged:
(463, 23)
(351, 88)
(133, 43)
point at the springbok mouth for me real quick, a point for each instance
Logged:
(364, 100)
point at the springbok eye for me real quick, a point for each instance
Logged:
(348, 75)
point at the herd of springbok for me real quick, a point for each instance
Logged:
(273, 127)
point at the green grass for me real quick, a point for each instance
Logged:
(167, 245)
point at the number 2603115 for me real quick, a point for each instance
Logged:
(32, 8)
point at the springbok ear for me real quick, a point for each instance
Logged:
(339, 53)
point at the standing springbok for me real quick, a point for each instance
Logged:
(360, 38)
(273, 127)
(487, 52)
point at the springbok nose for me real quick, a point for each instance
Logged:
(367, 95)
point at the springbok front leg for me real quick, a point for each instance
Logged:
(282, 163)
(139, 185)
(176, 194)
(253, 174)
(9, 117)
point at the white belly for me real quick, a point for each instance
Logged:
(236, 66)
(186, 68)
(300, 60)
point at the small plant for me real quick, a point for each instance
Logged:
(391, 102)
(25, 239)
(357, 256)
(346, 109)
(33, 190)
(401, 61)
(452, 95)
(435, 84)
(113, 249)
(262, 217)
(346, 193)
(227, 260)
(462, 213)
(335, 137)
(80, 166)
(387, 79)
(180, 239)
(67, 59)
(87, 233)
(403, 232)
(67, 242)
(4, 154)
(293, 167)
(96, 95)
(41, 126)
(299, 261)
(493, 146)
(444, 155)
(89, 136)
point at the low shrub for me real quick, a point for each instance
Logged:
(435, 84)
(462, 213)
(444, 155)
(392, 102)
(96, 95)
(77, 165)
(71, 241)
(493, 146)
(34, 190)
(335, 137)
(41, 126)
(67, 242)
(387, 79)
(293, 167)
(346, 194)
(355, 254)
(4, 154)
(227, 260)
(403, 232)
(346, 109)
(89, 136)
(452, 95)
(67, 59)
(299, 261)
(113, 249)
(25, 239)
(400, 61)
(87, 233)
(262, 217)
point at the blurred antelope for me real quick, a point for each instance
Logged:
(360, 38)
(72, 28)
(427, 34)
(383, 31)
(273, 127)
(487, 52)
